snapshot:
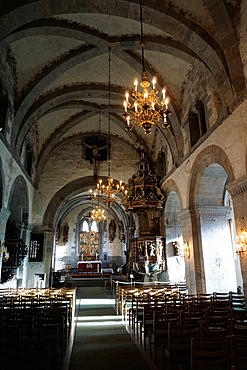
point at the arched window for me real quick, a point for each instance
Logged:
(160, 165)
(85, 226)
(89, 239)
(197, 123)
(94, 226)
(29, 159)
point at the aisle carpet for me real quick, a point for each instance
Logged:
(101, 340)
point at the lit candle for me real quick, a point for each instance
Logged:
(164, 93)
(153, 105)
(136, 106)
(128, 121)
(125, 105)
(135, 83)
(166, 103)
(154, 82)
(127, 97)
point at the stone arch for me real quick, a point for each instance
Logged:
(170, 186)
(230, 49)
(212, 234)
(56, 209)
(37, 14)
(18, 203)
(209, 155)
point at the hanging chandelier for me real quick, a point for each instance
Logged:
(98, 214)
(146, 109)
(108, 192)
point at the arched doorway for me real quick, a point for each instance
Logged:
(217, 234)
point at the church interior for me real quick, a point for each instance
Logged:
(123, 142)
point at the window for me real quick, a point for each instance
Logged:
(85, 226)
(29, 159)
(197, 123)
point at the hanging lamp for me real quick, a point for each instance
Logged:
(145, 109)
(110, 190)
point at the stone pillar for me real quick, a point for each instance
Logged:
(44, 267)
(49, 245)
(194, 269)
(238, 192)
(4, 215)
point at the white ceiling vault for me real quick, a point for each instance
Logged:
(61, 49)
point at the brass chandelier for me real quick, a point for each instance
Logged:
(146, 109)
(98, 214)
(108, 192)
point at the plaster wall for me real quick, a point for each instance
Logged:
(66, 164)
(218, 255)
(234, 132)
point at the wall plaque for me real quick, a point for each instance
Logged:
(36, 247)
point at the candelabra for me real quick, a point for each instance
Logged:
(98, 214)
(186, 250)
(109, 192)
(146, 109)
(4, 252)
(241, 248)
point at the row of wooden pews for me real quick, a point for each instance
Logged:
(35, 326)
(177, 330)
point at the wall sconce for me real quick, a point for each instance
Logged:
(4, 252)
(186, 250)
(242, 244)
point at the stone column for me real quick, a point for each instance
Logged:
(194, 269)
(49, 245)
(44, 267)
(4, 215)
(238, 192)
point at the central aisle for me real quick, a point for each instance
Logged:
(101, 340)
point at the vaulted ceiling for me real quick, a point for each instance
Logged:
(60, 51)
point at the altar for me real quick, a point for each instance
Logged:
(89, 266)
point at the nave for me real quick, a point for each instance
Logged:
(101, 340)
(155, 326)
